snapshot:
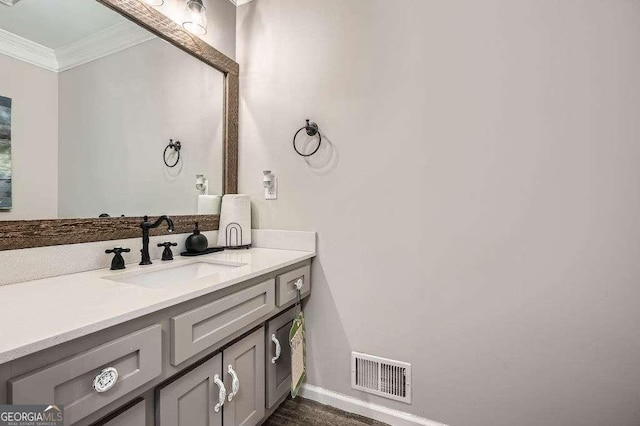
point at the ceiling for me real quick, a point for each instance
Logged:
(56, 23)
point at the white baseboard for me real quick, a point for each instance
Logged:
(364, 408)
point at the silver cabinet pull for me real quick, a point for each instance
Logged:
(274, 339)
(105, 380)
(222, 393)
(235, 383)
(298, 284)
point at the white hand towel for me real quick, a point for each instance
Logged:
(209, 204)
(235, 221)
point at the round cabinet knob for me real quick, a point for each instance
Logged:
(105, 380)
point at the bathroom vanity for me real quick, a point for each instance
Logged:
(189, 342)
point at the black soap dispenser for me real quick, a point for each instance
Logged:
(196, 242)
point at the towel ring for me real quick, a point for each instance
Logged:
(176, 146)
(312, 130)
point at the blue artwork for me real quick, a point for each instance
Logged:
(5, 153)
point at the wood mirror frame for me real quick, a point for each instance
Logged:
(20, 234)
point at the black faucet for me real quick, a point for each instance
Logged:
(146, 225)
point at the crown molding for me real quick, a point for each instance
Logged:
(98, 45)
(117, 37)
(27, 51)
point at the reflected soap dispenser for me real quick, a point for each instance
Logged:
(196, 242)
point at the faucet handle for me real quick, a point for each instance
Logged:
(118, 250)
(167, 244)
(167, 254)
(118, 260)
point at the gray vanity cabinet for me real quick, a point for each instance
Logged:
(245, 360)
(191, 399)
(210, 361)
(278, 357)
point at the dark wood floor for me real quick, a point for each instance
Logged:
(303, 412)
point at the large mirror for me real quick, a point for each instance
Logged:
(89, 103)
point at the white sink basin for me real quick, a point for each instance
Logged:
(175, 275)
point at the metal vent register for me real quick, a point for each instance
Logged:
(380, 376)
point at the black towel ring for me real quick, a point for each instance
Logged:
(176, 146)
(312, 130)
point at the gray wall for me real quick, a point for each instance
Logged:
(478, 215)
(34, 148)
(118, 113)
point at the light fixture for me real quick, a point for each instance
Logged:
(154, 2)
(195, 17)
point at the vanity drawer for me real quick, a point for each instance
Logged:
(137, 358)
(285, 284)
(196, 330)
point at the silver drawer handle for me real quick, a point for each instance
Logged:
(274, 339)
(299, 284)
(105, 380)
(235, 383)
(222, 393)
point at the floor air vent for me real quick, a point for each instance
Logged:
(383, 377)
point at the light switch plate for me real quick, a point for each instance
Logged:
(272, 193)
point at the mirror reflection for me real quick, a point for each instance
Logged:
(99, 117)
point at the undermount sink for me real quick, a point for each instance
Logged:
(174, 275)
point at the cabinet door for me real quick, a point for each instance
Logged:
(133, 416)
(278, 371)
(243, 363)
(191, 399)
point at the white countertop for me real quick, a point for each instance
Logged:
(37, 315)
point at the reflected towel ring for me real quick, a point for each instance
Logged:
(312, 130)
(176, 146)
